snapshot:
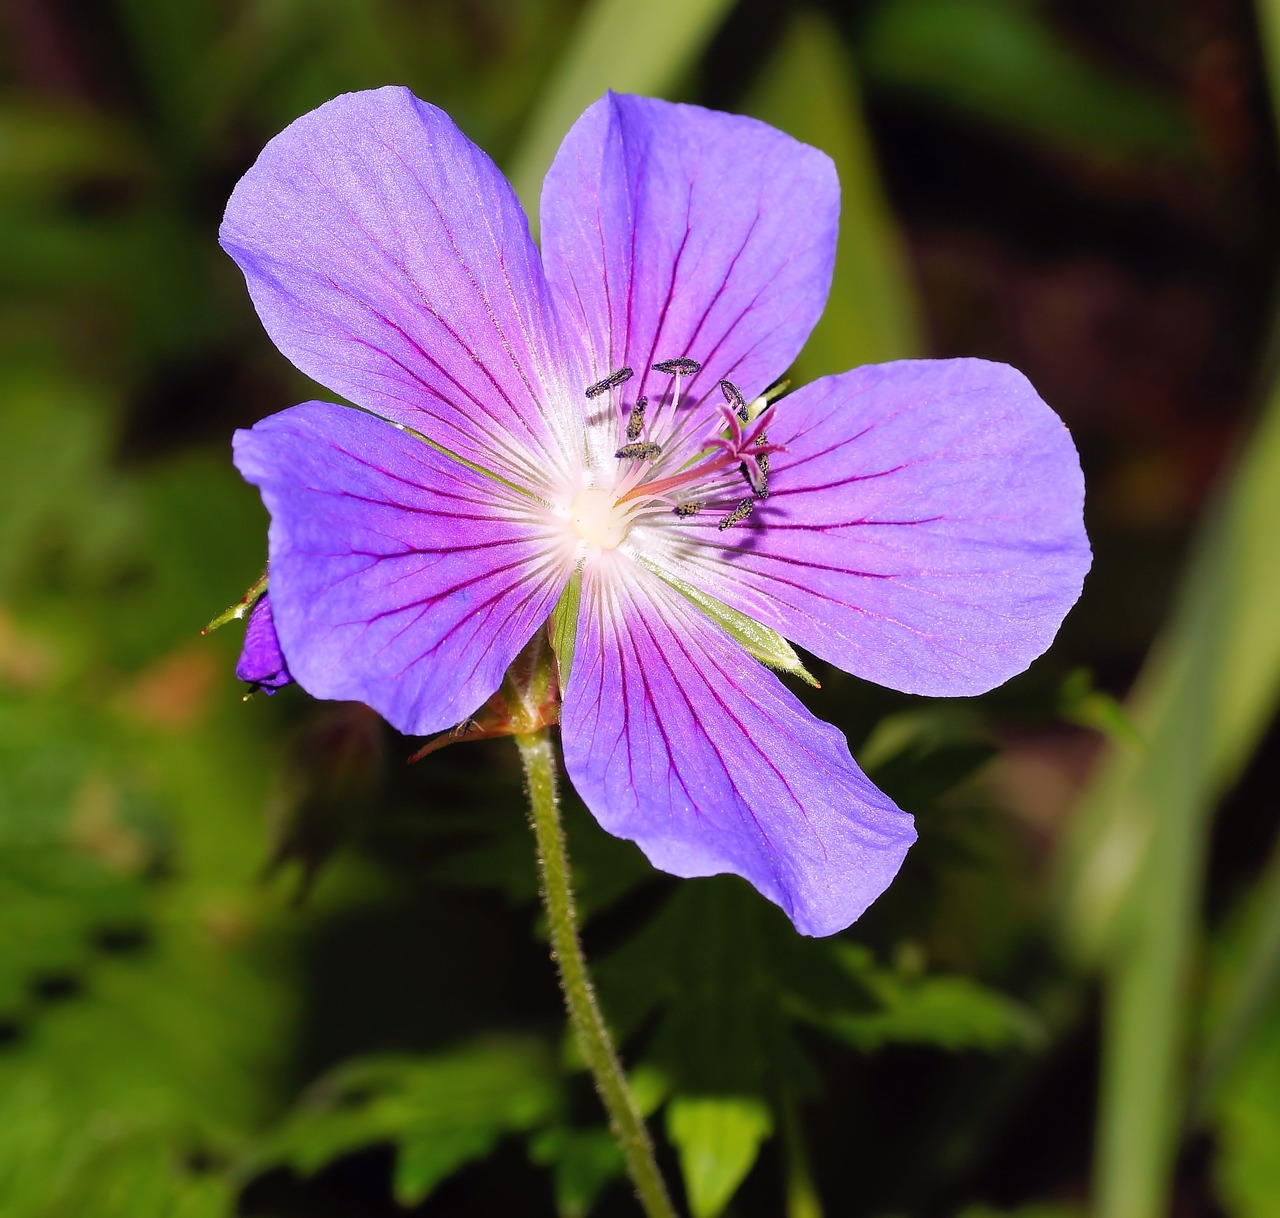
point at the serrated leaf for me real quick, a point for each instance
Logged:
(718, 1138)
(949, 1012)
(583, 1163)
(442, 1112)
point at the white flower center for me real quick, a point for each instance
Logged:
(599, 521)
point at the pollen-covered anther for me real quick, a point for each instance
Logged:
(635, 421)
(733, 396)
(682, 366)
(762, 467)
(612, 381)
(744, 509)
(685, 510)
(642, 450)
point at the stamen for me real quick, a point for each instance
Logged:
(685, 510)
(733, 395)
(762, 466)
(635, 423)
(739, 514)
(683, 366)
(641, 451)
(612, 381)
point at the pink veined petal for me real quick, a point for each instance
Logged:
(399, 577)
(924, 528)
(681, 742)
(669, 230)
(390, 260)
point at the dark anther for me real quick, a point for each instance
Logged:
(685, 510)
(733, 395)
(739, 514)
(756, 475)
(641, 451)
(635, 423)
(678, 367)
(612, 381)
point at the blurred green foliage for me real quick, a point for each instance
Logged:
(184, 1036)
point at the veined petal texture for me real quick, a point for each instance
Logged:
(924, 528)
(679, 741)
(673, 231)
(390, 260)
(399, 577)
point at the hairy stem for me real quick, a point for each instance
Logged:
(585, 1018)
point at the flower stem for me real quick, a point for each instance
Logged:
(584, 1012)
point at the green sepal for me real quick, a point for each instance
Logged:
(564, 626)
(768, 646)
(242, 608)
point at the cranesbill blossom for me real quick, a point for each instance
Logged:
(577, 440)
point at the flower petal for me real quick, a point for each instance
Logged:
(390, 260)
(669, 230)
(924, 528)
(261, 661)
(679, 741)
(399, 578)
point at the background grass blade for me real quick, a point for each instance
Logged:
(809, 90)
(1131, 877)
(619, 45)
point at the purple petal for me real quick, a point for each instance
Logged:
(261, 661)
(923, 529)
(389, 259)
(399, 577)
(679, 741)
(670, 230)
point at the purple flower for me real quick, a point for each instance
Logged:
(581, 431)
(261, 661)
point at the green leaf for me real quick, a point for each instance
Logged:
(718, 1138)
(442, 1112)
(583, 1162)
(768, 646)
(729, 981)
(949, 1012)
(616, 44)
(1247, 1126)
(1002, 62)
(1238, 1084)
(1080, 703)
(809, 90)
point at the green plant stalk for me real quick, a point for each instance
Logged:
(1137, 862)
(802, 1199)
(585, 1018)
